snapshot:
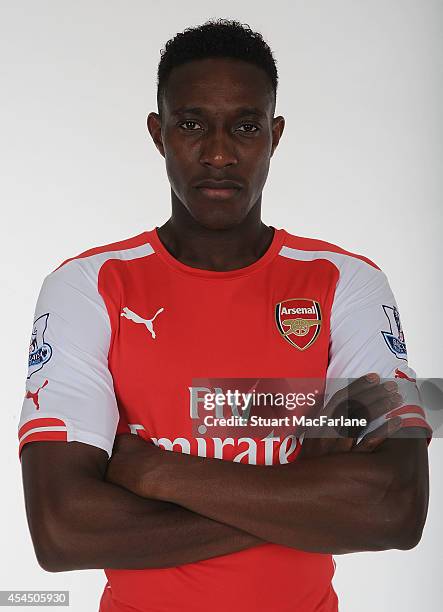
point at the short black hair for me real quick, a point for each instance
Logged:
(215, 38)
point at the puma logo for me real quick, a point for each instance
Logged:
(400, 374)
(34, 396)
(130, 314)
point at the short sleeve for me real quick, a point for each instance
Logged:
(69, 393)
(367, 336)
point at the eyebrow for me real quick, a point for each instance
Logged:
(243, 110)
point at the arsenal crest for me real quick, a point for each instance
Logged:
(298, 321)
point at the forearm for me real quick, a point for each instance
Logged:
(334, 504)
(104, 526)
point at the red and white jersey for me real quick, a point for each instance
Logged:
(121, 331)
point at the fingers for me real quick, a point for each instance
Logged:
(364, 399)
(354, 389)
(375, 392)
(380, 408)
(366, 382)
(372, 440)
(385, 396)
(367, 385)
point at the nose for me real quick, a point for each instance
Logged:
(217, 150)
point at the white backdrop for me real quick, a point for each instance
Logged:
(359, 164)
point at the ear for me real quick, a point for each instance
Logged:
(278, 125)
(155, 129)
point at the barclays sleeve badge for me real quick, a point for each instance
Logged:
(40, 352)
(395, 338)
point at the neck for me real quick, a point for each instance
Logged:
(215, 249)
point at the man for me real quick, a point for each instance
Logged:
(125, 331)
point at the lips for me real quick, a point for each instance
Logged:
(219, 190)
(218, 194)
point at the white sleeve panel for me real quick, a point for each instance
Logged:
(69, 390)
(366, 336)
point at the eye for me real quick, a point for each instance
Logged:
(189, 129)
(249, 125)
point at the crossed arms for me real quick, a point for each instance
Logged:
(151, 508)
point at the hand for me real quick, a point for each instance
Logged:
(363, 398)
(133, 464)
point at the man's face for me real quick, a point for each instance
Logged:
(217, 124)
